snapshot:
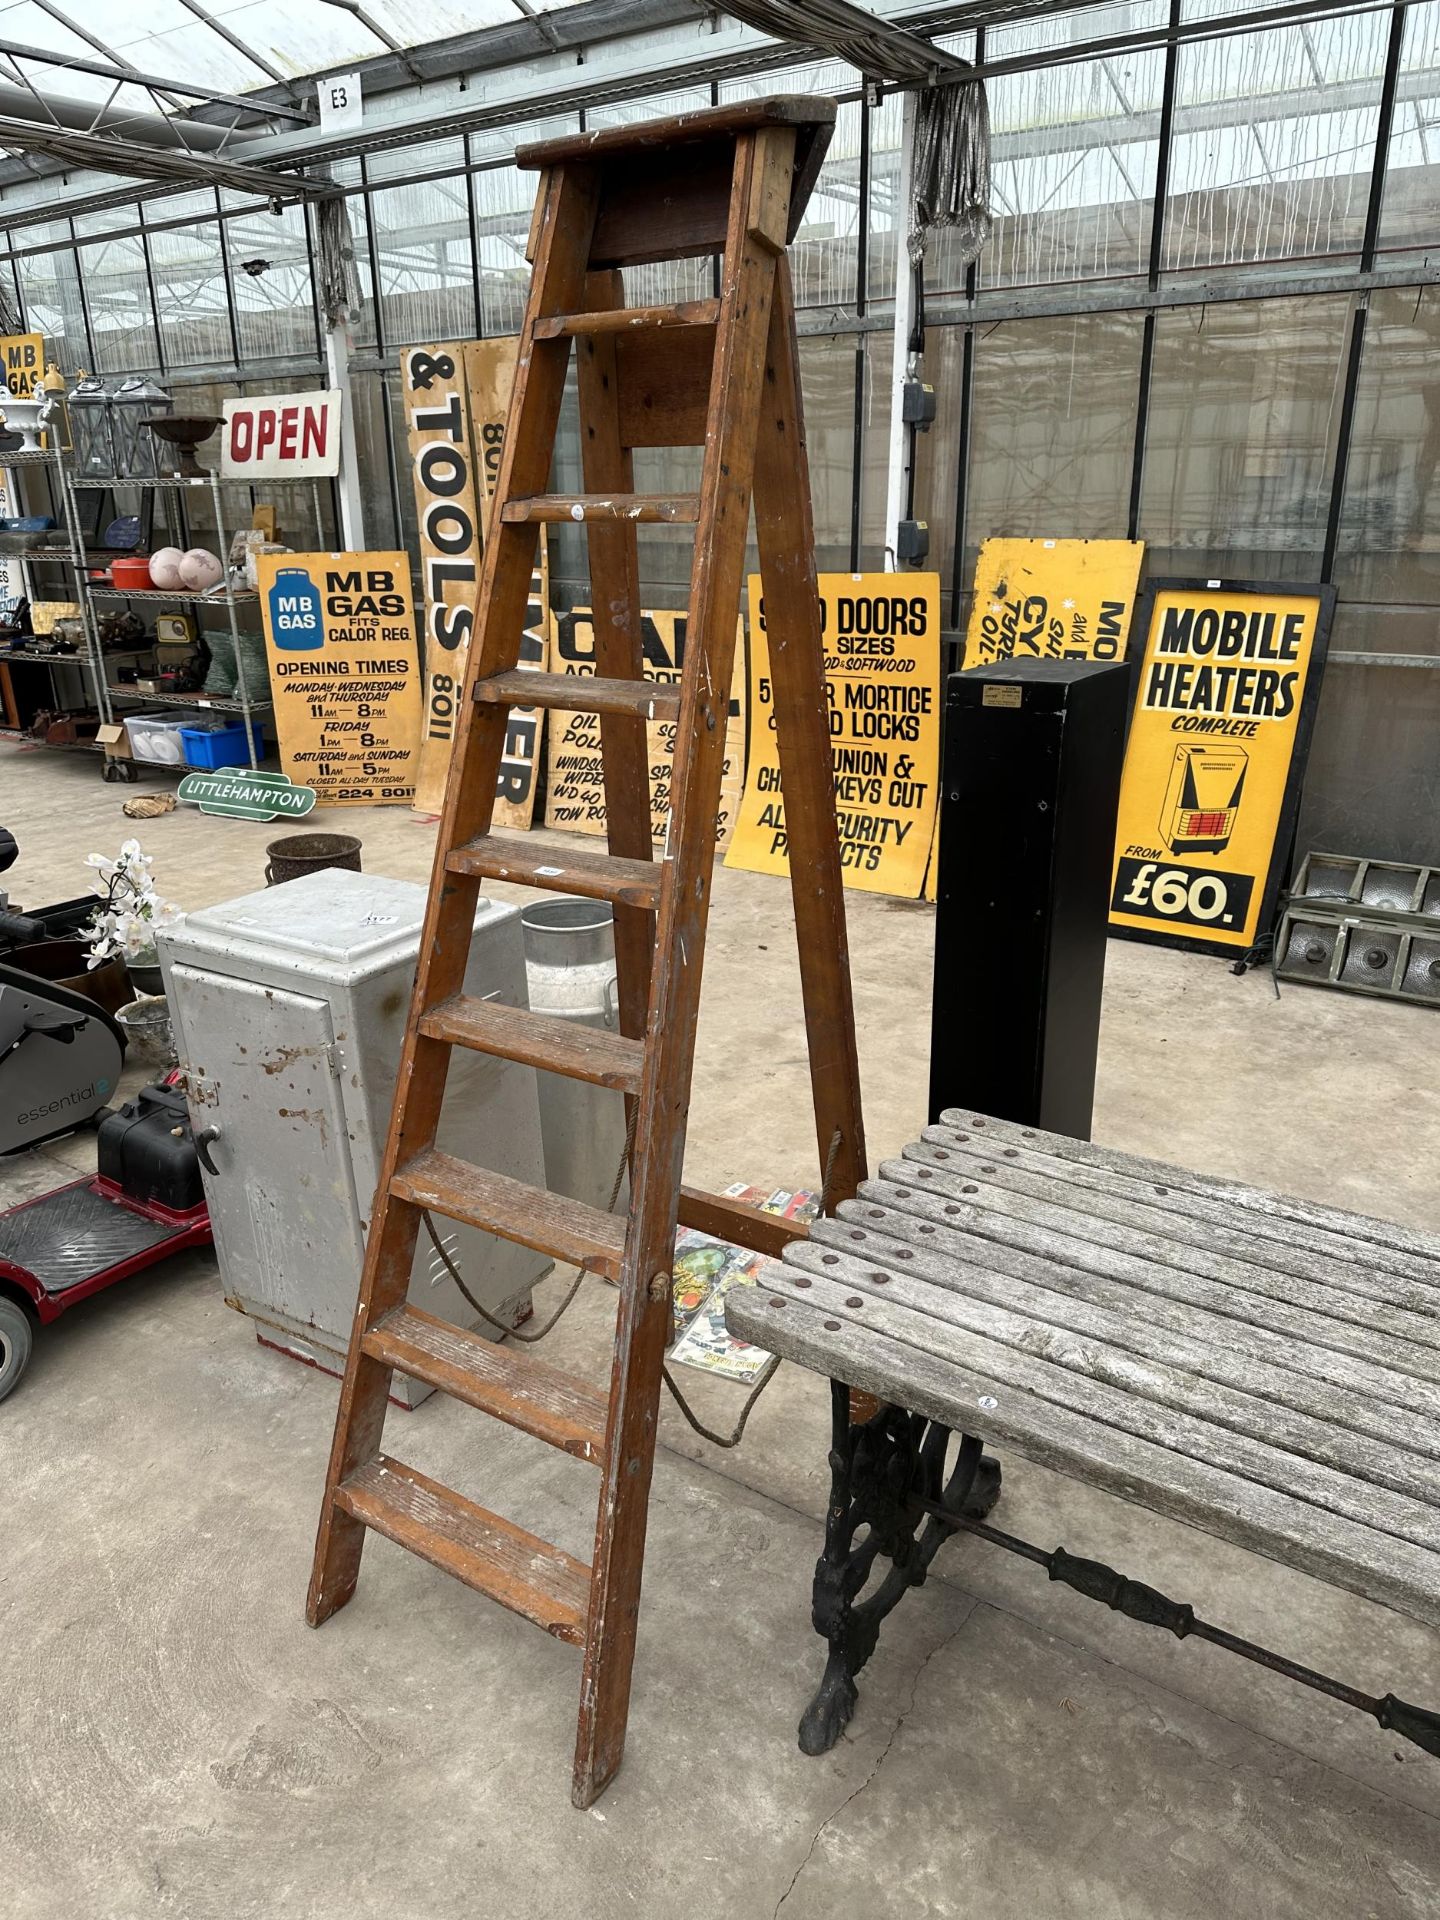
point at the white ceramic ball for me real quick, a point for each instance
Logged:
(165, 568)
(200, 570)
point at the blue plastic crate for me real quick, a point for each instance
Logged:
(223, 746)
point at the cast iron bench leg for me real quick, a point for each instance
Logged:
(880, 1470)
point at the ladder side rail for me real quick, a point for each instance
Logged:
(785, 532)
(759, 205)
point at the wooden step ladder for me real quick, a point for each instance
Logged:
(722, 374)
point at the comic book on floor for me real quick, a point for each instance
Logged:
(706, 1269)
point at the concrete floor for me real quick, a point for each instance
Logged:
(178, 1743)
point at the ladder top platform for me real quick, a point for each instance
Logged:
(812, 114)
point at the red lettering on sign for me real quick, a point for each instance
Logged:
(285, 433)
(317, 420)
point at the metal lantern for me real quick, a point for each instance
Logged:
(90, 427)
(137, 450)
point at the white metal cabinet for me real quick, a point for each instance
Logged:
(289, 1008)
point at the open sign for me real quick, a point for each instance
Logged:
(282, 436)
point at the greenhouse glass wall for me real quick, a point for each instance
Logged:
(1207, 317)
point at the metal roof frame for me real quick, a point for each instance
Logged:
(619, 72)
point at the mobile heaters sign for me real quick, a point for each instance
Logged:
(1225, 696)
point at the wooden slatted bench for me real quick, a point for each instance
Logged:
(1265, 1369)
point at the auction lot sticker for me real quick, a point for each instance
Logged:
(881, 635)
(345, 673)
(1225, 694)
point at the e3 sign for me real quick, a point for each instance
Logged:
(341, 103)
(1224, 704)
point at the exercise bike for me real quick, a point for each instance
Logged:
(60, 1060)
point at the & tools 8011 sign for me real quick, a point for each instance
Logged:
(1224, 705)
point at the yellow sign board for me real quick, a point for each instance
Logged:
(345, 673)
(437, 430)
(1224, 702)
(22, 360)
(489, 375)
(1052, 600)
(575, 787)
(881, 634)
(456, 397)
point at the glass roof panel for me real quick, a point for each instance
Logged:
(416, 25)
(32, 26)
(296, 38)
(299, 36)
(193, 49)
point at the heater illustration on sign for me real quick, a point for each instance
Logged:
(1203, 798)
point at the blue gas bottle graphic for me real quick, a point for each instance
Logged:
(296, 619)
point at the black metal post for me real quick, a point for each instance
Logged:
(1030, 782)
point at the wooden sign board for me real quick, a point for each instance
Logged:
(575, 787)
(456, 397)
(1052, 600)
(1227, 676)
(345, 673)
(281, 436)
(881, 635)
(22, 360)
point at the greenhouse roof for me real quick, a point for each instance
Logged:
(233, 46)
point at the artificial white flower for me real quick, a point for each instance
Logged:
(133, 910)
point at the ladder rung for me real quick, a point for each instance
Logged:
(570, 1047)
(524, 1573)
(550, 1222)
(679, 313)
(584, 693)
(676, 508)
(539, 1399)
(626, 883)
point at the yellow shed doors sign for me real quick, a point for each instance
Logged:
(881, 634)
(1224, 704)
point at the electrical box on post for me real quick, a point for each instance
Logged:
(917, 404)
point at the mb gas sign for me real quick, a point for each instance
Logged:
(345, 672)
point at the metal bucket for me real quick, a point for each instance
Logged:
(570, 970)
(301, 853)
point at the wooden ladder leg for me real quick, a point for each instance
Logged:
(755, 235)
(615, 613)
(786, 537)
(564, 225)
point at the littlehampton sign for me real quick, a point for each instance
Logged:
(242, 794)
